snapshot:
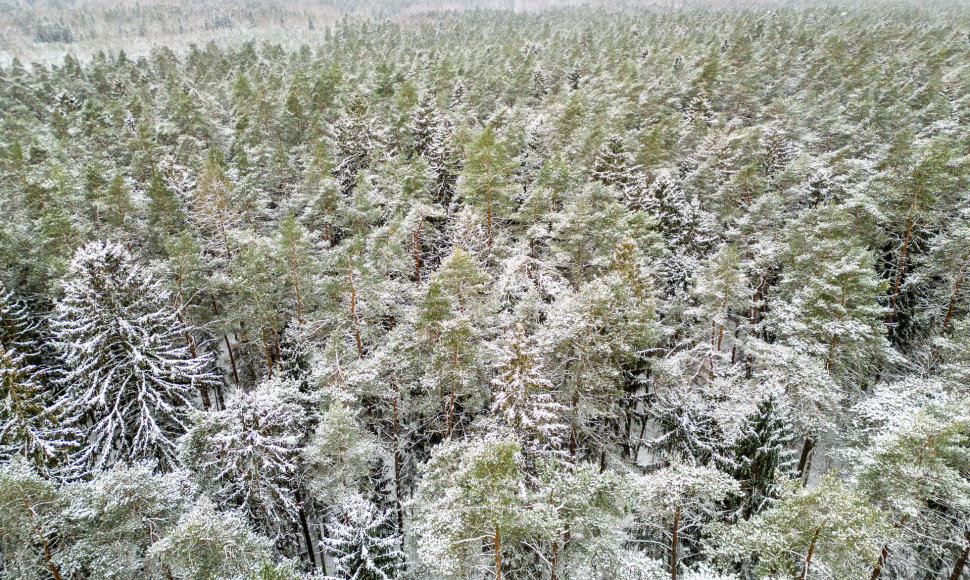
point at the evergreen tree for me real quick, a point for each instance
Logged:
(523, 397)
(486, 179)
(129, 375)
(363, 542)
(247, 454)
(207, 544)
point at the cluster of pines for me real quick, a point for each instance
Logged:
(631, 294)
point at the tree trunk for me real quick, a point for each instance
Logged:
(831, 355)
(962, 560)
(673, 544)
(269, 353)
(882, 560)
(232, 360)
(397, 471)
(417, 249)
(323, 551)
(902, 264)
(306, 531)
(296, 284)
(555, 556)
(884, 553)
(953, 299)
(803, 461)
(353, 310)
(811, 550)
(43, 540)
(498, 555)
(451, 402)
(488, 217)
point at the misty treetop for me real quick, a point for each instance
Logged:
(624, 292)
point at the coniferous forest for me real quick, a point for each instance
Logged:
(620, 291)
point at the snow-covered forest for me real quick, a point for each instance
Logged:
(625, 292)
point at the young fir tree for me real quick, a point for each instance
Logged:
(362, 541)
(129, 377)
(523, 398)
(615, 166)
(762, 457)
(28, 427)
(424, 123)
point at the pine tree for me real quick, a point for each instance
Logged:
(209, 545)
(30, 517)
(113, 519)
(830, 527)
(674, 502)
(486, 179)
(129, 375)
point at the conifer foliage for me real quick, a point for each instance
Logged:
(402, 290)
(129, 378)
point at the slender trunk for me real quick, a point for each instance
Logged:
(353, 310)
(953, 299)
(397, 470)
(579, 266)
(203, 389)
(962, 560)
(803, 461)
(296, 284)
(232, 360)
(720, 330)
(498, 555)
(882, 559)
(555, 556)
(884, 553)
(673, 544)
(451, 401)
(43, 540)
(902, 263)
(269, 354)
(219, 398)
(811, 550)
(488, 217)
(572, 429)
(306, 531)
(323, 551)
(232, 357)
(417, 249)
(832, 344)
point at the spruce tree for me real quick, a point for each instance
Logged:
(523, 397)
(129, 377)
(362, 541)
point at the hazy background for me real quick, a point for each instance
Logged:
(44, 31)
